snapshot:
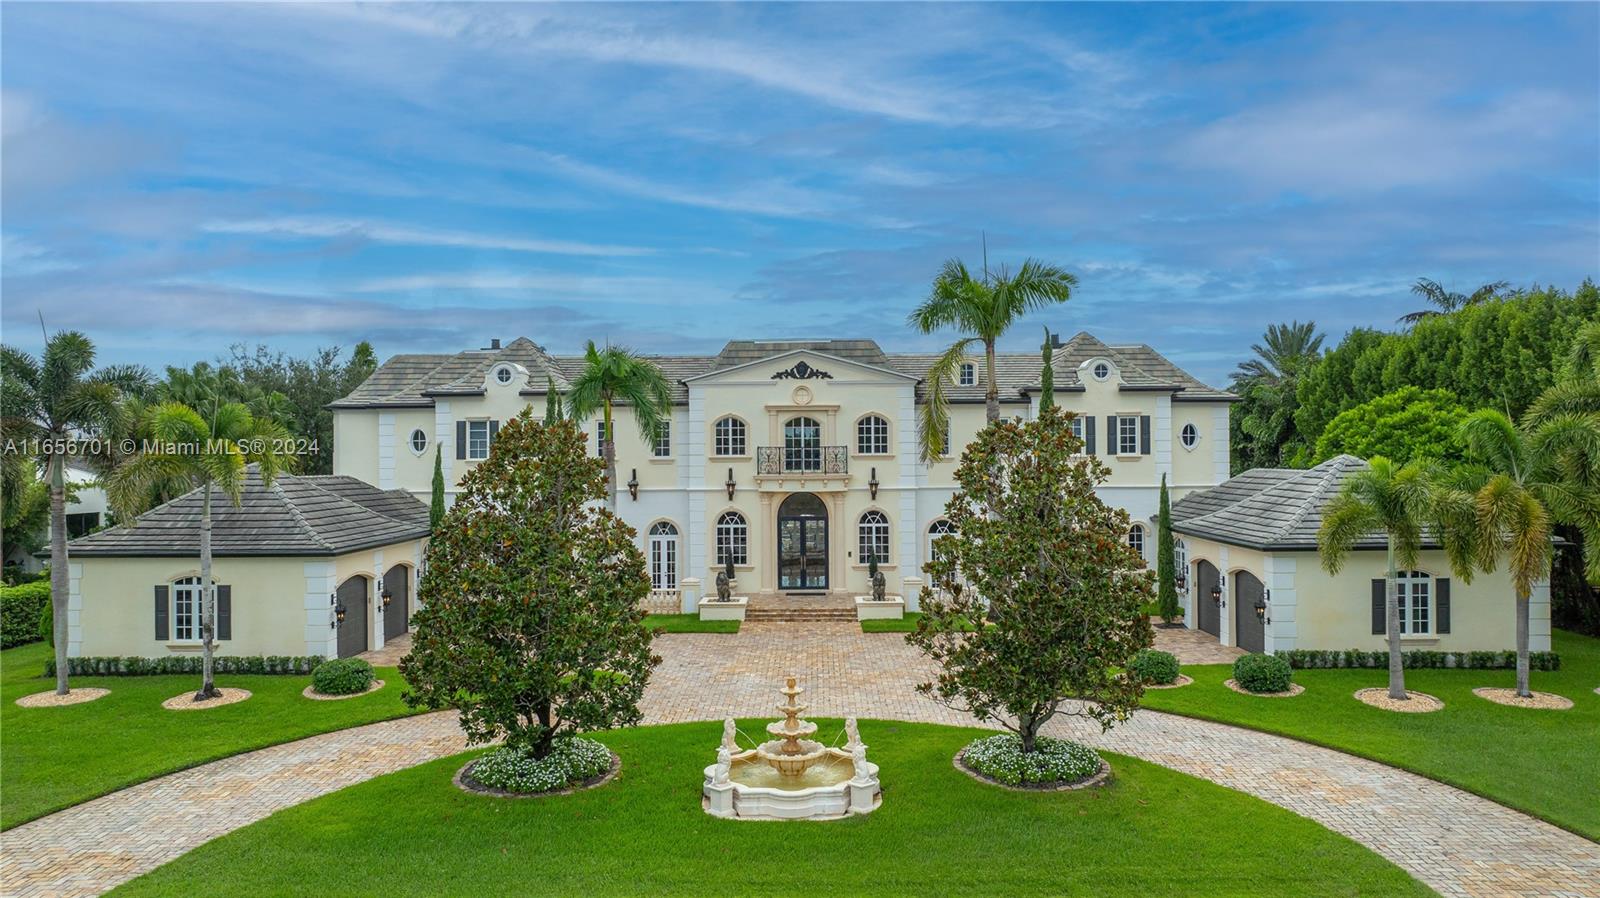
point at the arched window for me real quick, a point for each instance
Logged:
(937, 529)
(872, 537)
(728, 437)
(1180, 558)
(872, 436)
(1136, 538)
(419, 441)
(186, 609)
(733, 539)
(1190, 435)
(1415, 595)
(663, 555)
(802, 445)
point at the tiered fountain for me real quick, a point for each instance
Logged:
(791, 777)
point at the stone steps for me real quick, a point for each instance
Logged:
(800, 615)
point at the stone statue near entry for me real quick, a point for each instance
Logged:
(725, 582)
(879, 582)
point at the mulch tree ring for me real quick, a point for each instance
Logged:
(1418, 703)
(1548, 701)
(312, 693)
(51, 700)
(186, 702)
(1099, 777)
(464, 781)
(1180, 681)
(1294, 689)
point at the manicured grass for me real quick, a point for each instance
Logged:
(904, 625)
(51, 758)
(690, 623)
(1541, 762)
(1151, 832)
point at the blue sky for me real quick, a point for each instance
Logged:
(179, 177)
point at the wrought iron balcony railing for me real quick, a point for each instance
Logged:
(802, 460)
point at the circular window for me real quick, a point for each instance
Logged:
(1101, 371)
(1189, 435)
(419, 441)
(503, 375)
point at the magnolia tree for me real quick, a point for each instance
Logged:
(1036, 597)
(531, 621)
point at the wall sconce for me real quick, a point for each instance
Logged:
(633, 485)
(731, 484)
(1181, 581)
(1216, 594)
(873, 483)
(1261, 610)
(387, 597)
(338, 614)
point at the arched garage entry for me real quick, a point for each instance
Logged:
(1209, 614)
(353, 595)
(1249, 632)
(397, 617)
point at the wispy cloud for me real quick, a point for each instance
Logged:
(357, 229)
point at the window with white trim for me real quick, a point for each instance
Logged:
(419, 441)
(728, 437)
(477, 440)
(1128, 435)
(1180, 557)
(969, 374)
(1101, 371)
(872, 436)
(1190, 435)
(502, 374)
(1414, 592)
(935, 530)
(872, 537)
(1077, 431)
(601, 436)
(733, 539)
(1136, 539)
(663, 444)
(186, 609)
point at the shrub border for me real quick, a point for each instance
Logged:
(463, 780)
(135, 666)
(1098, 778)
(1417, 659)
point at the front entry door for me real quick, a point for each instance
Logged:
(802, 543)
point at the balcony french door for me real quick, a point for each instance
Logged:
(802, 445)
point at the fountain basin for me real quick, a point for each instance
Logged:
(827, 789)
(795, 764)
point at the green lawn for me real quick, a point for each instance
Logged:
(51, 758)
(904, 625)
(1152, 832)
(1546, 763)
(690, 623)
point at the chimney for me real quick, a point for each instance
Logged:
(1055, 341)
(494, 343)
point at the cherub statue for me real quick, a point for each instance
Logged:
(719, 776)
(858, 759)
(852, 733)
(728, 731)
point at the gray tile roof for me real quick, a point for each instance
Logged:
(1269, 508)
(311, 515)
(413, 380)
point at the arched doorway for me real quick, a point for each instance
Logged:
(1249, 631)
(397, 617)
(353, 629)
(1209, 613)
(663, 555)
(803, 543)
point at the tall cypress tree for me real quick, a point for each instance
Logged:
(552, 402)
(1047, 393)
(1166, 560)
(436, 507)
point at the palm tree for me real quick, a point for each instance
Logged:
(983, 308)
(49, 404)
(1521, 484)
(1446, 301)
(1287, 349)
(613, 375)
(214, 448)
(1399, 501)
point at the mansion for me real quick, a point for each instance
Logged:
(797, 460)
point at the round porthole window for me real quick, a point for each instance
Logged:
(503, 375)
(1101, 371)
(1190, 435)
(419, 441)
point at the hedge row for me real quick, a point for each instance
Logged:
(1308, 658)
(132, 666)
(20, 607)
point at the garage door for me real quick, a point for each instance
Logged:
(353, 632)
(1249, 632)
(1207, 576)
(397, 617)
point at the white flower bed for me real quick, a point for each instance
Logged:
(1052, 761)
(571, 760)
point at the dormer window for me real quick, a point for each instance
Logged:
(1101, 371)
(502, 374)
(969, 374)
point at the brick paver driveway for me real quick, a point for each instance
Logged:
(1457, 843)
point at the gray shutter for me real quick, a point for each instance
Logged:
(1088, 433)
(1144, 434)
(224, 612)
(494, 429)
(161, 614)
(1441, 605)
(1380, 611)
(1113, 444)
(461, 440)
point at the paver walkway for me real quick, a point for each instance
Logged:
(1459, 844)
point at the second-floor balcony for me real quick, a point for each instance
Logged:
(777, 461)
